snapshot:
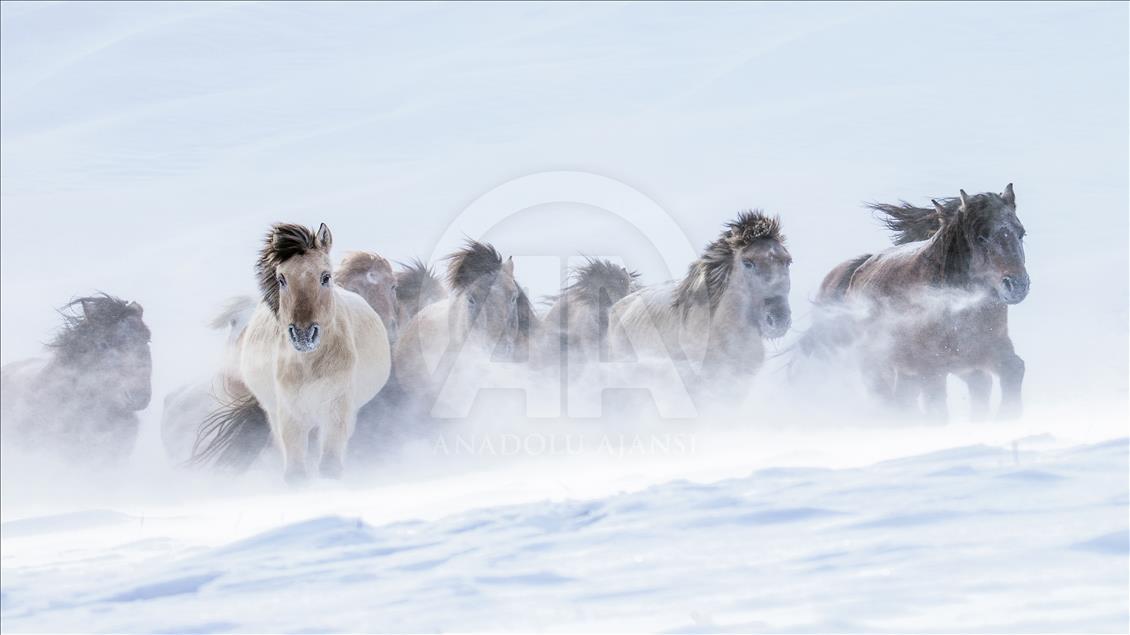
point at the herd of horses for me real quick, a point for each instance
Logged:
(322, 349)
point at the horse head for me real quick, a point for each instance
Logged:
(296, 282)
(371, 277)
(495, 310)
(993, 238)
(107, 341)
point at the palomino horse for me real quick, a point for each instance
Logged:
(367, 274)
(311, 356)
(576, 326)
(82, 400)
(417, 286)
(935, 304)
(488, 316)
(734, 296)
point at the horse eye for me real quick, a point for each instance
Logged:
(282, 280)
(749, 264)
(325, 279)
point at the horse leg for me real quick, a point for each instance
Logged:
(980, 386)
(1011, 370)
(335, 438)
(934, 397)
(295, 440)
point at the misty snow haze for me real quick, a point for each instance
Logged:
(146, 149)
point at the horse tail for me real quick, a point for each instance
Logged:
(233, 436)
(830, 330)
(908, 223)
(235, 314)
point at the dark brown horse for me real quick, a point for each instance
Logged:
(935, 304)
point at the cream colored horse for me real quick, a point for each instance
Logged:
(311, 356)
(487, 316)
(713, 321)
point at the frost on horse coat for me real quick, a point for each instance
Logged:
(311, 356)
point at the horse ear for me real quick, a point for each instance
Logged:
(964, 198)
(1008, 195)
(508, 266)
(325, 238)
(89, 308)
(136, 308)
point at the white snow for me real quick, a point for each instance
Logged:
(146, 147)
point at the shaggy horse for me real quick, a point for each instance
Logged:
(715, 318)
(311, 356)
(576, 326)
(487, 316)
(82, 400)
(935, 304)
(370, 276)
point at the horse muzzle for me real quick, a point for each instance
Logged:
(304, 340)
(1013, 289)
(776, 319)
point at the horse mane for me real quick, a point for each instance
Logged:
(415, 281)
(233, 308)
(96, 313)
(283, 242)
(951, 234)
(598, 275)
(361, 263)
(708, 276)
(469, 264)
(910, 224)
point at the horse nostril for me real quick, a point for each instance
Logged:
(1009, 283)
(314, 331)
(292, 331)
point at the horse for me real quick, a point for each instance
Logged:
(935, 304)
(576, 325)
(311, 356)
(487, 315)
(417, 286)
(370, 276)
(81, 402)
(712, 323)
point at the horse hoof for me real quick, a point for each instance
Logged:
(331, 468)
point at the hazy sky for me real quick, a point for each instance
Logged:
(146, 147)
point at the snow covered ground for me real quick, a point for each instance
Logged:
(146, 147)
(998, 536)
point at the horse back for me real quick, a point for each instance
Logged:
(835, 285)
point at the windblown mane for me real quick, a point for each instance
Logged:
(468, 265)
(909, 224)
(708, 276)
(361, 263)
(96, 314)
(416, 281)
(598, 275)
(283, 242)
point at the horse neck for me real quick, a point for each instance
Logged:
(947, 257)
(60, 381)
